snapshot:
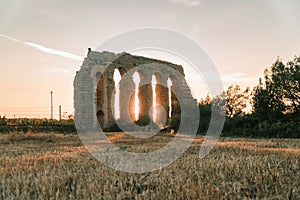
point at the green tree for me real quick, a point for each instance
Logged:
(234, 100)
(280, 92)
(261, 99)
(205, 114)
(289, 84)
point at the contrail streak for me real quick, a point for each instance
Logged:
(45, 49)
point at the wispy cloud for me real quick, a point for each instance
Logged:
(188, 2)
(10, 38)
(44, 49)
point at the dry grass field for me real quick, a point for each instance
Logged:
(57, 166)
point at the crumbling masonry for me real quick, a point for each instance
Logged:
(94, 88)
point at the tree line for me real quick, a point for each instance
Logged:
(270, 109)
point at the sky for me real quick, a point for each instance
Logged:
(43, 43)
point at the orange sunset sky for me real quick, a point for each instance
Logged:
(43, 43)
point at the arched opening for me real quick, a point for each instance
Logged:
(98, 75)
(153, 83)
(100, 117)
(117, 76)
(169, 84)
(136, 80)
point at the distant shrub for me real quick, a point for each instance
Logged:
(36, 125)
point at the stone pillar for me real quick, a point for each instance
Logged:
(162, 99)
(145, 96)
(109, 103)
(127, 92)
(84, 101)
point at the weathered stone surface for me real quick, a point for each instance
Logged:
(94, 87)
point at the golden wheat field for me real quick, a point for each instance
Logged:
(57, 166)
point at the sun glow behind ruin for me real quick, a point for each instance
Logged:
(169, 83)
(136, 79)
(117, 79)
(154, 81)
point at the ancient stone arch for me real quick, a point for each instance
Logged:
(94, 87)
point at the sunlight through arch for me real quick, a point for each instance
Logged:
(154, 82)
(169, 84)
(117, 79)
(136, 80)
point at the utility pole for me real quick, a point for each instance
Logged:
(51, 93)
(60, 113)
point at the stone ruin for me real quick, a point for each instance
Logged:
(94, 88)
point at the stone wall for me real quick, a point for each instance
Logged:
(94, 87)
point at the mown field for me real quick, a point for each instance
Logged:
(57, 166)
